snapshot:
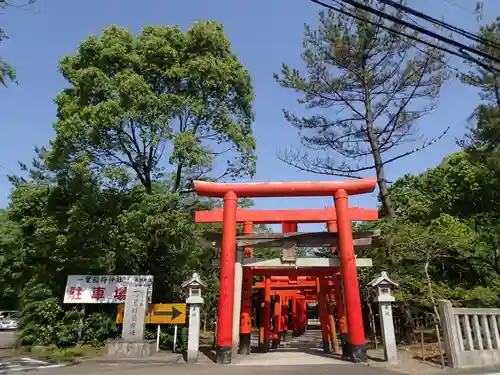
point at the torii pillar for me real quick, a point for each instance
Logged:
(246, 299)
(352, 300)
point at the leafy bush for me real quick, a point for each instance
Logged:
(98, 328)
(68, 330)
(44, 322)
(40, 316)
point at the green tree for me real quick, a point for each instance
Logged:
(447, 219)
(132, 98)
(368, 88)
(10, 235)
(7, 71)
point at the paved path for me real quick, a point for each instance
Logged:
(303, 350)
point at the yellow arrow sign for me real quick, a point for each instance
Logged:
(161, 313)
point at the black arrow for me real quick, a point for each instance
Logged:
(174, 313)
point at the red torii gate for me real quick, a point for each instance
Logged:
(289, 220)
(340, 190)
(285, 291)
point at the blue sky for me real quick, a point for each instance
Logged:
(263, 33)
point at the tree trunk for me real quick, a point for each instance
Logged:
(407, 326)
(379, 167)
(377, 157)
(373, 326)
(437, 318)
(371, 317)
(431, 293)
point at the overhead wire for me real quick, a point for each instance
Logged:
(418, 48)
(458, 6)
(462, 47)
(440, 23)
(459, 53)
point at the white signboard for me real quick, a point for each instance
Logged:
(135, 312)
(103, 288)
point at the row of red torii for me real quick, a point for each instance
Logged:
(332, 282)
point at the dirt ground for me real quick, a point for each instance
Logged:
(410, 359)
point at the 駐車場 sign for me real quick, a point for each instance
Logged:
(89, 289)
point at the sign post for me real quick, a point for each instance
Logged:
(136, 307)
(175, 339)
(195, 301)
(158, 334)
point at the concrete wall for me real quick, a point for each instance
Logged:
(471, 336)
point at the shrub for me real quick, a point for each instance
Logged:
(98, 328)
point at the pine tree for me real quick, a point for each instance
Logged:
(368, 88)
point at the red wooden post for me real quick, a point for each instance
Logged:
(276, 322)
(227, 265)
(339, 302)
(332, 227)
(294, 317)
(262, 306)
(267, 315)
(348, 270)
(284, 317)
(304, 317)
(323, 316)
(287, 226)
(246, 300)
(331, 311)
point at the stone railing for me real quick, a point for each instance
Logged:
(471, 336)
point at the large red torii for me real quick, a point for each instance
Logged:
(340, 190)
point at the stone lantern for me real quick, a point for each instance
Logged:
(384, 286)
(194, 301)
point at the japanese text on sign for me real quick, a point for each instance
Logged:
(135, 312)
(135, 305)
(103, 288)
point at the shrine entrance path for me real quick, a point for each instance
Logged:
(303, 350)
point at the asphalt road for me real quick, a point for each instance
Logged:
(213, 369)
(209, 369)
(7, 339)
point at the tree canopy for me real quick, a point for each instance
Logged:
(132, 98)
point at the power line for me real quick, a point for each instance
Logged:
(440, 23)
(462, 47)
(418, 48)
(458, 6)
(415, 45)
(460, 53)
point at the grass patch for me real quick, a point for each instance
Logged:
(64, 354)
